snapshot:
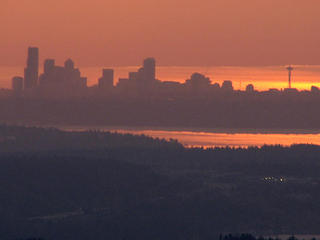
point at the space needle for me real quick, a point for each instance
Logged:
(290, 69)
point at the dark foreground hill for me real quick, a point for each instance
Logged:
(93, 185)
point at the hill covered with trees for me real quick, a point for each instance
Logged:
(101, 185)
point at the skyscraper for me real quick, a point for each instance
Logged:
(106, 82)
(149, 67)
(49, 65)
(31, 71)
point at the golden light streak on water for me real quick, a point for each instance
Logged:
(219, 138)
(206, 140)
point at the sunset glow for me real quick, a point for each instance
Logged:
(262, 78)
(175, 32)
(219, 139)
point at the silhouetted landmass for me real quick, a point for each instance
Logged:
(247, 236)
(95, 185)
(243, 236)
(31, 239)
(234, 111)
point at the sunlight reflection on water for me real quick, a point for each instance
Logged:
(219, 139)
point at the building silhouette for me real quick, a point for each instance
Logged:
(17, 84)
(49, 65)
(149, 69)
(227, 86)
(69, 65)
(67, 75)
(106, 81)
(134, 76)
(249, 88)
(198, 83)
(61, 80)
(140, 82)
(31, 71)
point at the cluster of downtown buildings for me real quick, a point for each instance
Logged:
(66, 81)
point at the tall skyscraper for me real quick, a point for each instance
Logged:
(32, 69)
(106, 81)
(149, 68)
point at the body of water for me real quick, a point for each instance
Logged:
(219, 138)
(263, 78)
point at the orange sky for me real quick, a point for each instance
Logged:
(176, 32)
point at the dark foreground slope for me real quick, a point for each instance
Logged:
(92, 185)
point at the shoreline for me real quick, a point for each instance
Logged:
(180, 129)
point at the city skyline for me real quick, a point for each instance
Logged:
(32, 78)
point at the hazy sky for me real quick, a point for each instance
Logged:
(176, 32)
